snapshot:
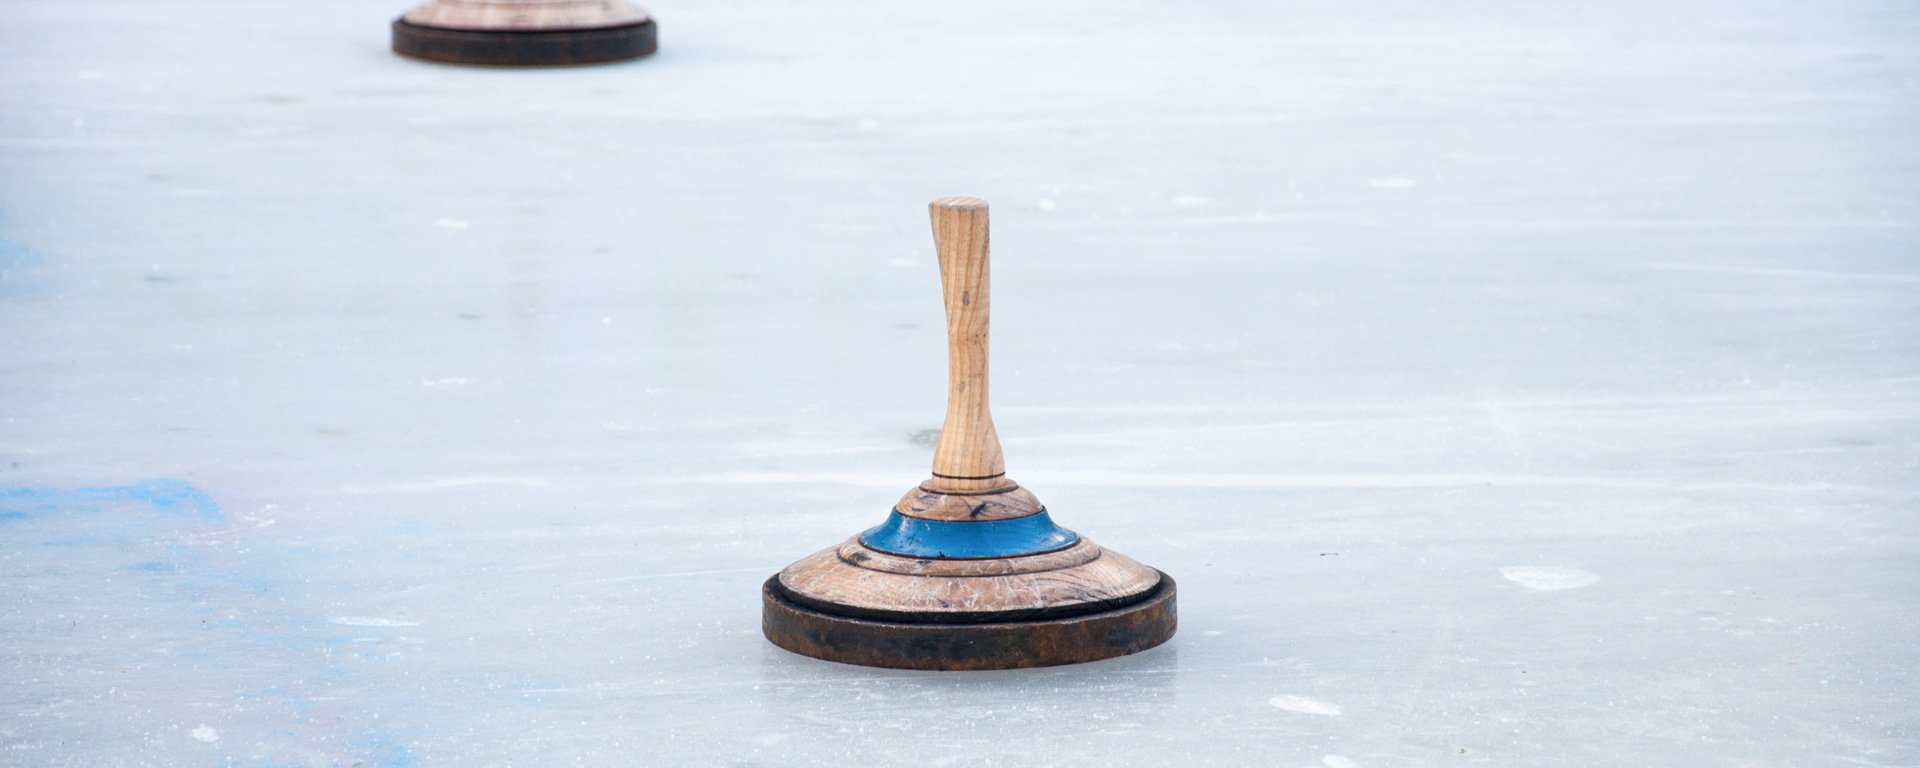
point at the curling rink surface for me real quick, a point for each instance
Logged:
(1505, 384)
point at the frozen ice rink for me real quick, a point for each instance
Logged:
(1518, 384)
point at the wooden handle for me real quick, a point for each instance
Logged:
(968, 456)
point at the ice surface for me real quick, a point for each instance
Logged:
(1512, 384)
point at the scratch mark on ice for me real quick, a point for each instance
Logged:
(676, 574)
(370, 621)
(1548, 576)
(1305, 705)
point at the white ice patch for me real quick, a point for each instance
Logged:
(370, 621)
(1304, 704)
(1548, 576)
(450, 223)
(1392, 183)
(1189, 201)
(206, 734)
(1338, 761)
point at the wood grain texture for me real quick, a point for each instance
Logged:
(968, 456)
(1004, 503)
(827, 580)
(853, 553)
(525, 15)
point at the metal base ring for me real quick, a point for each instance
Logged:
(1006, 645)
(525, 48)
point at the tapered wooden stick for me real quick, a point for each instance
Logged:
(968, 456)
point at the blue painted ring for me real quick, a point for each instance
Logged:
(954, 539)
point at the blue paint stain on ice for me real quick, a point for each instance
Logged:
(385, 751)
(167, 497)
(220, 613)
(16, 262)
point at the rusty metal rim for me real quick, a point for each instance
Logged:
(1003, 645)
(525, 47)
